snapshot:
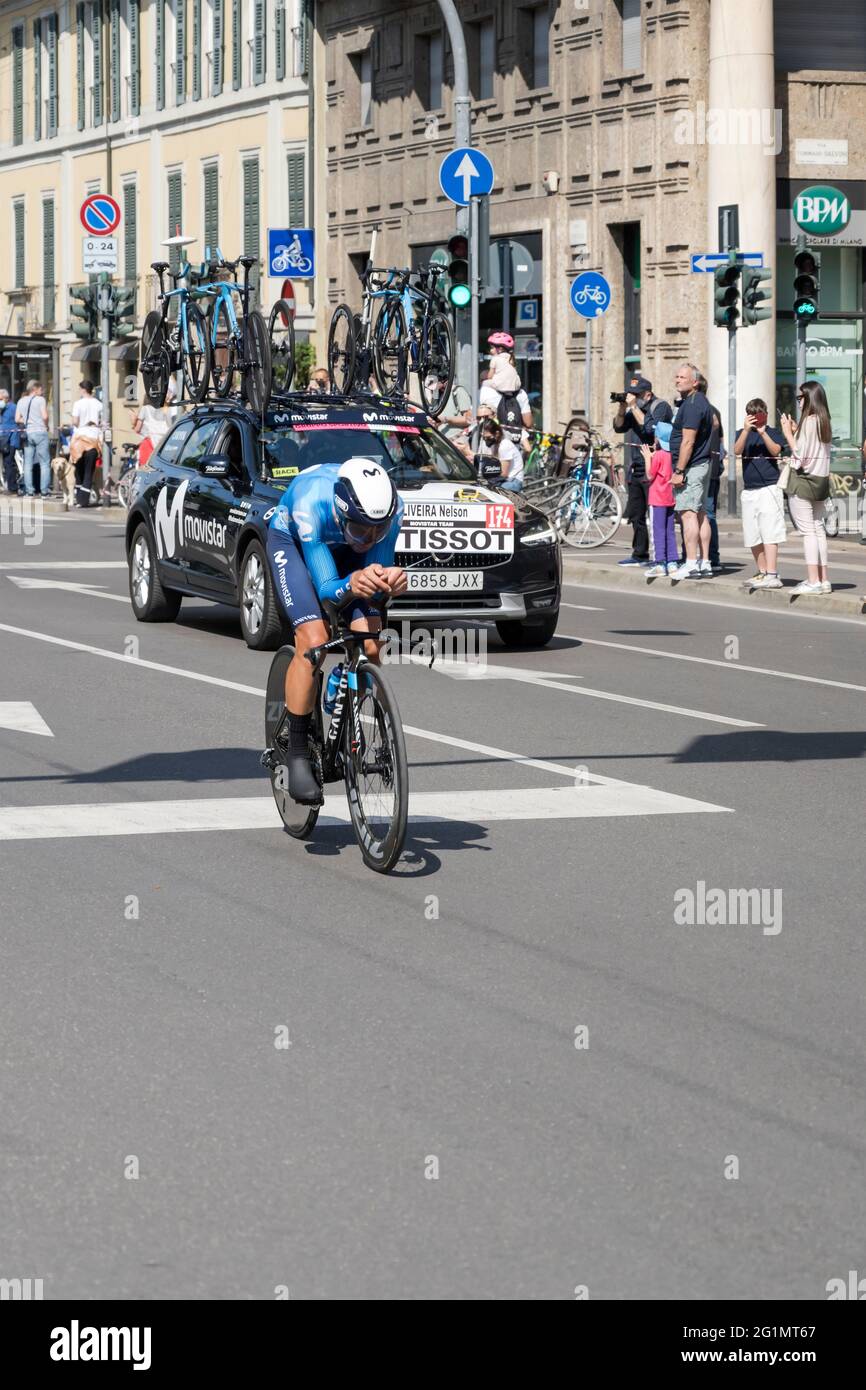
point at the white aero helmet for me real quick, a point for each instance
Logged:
(365, 501)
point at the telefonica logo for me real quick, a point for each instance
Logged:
(822, 210)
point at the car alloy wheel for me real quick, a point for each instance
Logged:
(254, 594)
(141, 563)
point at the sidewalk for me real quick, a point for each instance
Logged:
(847, 565)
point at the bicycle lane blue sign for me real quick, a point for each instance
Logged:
(590, 294)
(292, 253)
(465, 173)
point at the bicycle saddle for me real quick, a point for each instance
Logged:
(246, 261)
(159, 266)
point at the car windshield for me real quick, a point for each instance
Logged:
(412, 458)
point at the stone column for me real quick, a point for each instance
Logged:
(742, 132)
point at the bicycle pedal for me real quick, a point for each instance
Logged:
(269, 759)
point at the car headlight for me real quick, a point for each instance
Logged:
(539, 532)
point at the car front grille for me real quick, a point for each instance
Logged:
(451, 560)
(447, 602)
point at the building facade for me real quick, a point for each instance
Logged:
(193, 114)
(617, 129)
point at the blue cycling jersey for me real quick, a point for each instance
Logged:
(306, 514)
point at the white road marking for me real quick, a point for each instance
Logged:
(766, 612)
(66, 565)
(23, 717)
(584, 607)
(725, 665)
(260, 813)
(467, 670)
(97, 591)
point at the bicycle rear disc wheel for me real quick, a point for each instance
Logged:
(436, 374)
(341, 350)
(224, 355)
(197, 355)
(297, 818)
(391, 349)
(281, 334)
(155, 365)
(588, 515)
(257, 362)
(377, 773)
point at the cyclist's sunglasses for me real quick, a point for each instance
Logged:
(364, 536)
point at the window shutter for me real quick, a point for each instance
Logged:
(19, 245)
(175, 215)
(180, 52)
(159, 7)
(196, 50)
(134, 20)
(130, 248)
(211, 208)
(114, 61)
(259, 50)
(252, 230)
(82, 104)
(218, 41)
(295, 163)
(48, 260)
(18, 85)
(304, 38)
(631, 36)
(280, 39)
(96, 35)
(52, 74)
(37, 79)
(236, 44)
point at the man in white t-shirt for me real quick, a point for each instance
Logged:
(86, 440)
(495, 442)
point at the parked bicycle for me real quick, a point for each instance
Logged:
(237, 346)
(585, 509)
(169, 345)
(411, 334)
(361, 743)
(544, 455)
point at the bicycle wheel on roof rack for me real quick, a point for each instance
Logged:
(391, 349)
(341, 350)
(256, 362)
(436, 368)
(281, 333)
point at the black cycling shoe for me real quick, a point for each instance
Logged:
(303, 786)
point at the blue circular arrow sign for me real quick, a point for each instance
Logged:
(465, 174)
(590, 294)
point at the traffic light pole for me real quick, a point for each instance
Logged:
(801, 360)
(105, 340)
(732, 419)
(475, 285)
(463, 137)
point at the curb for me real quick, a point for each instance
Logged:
(612, 576)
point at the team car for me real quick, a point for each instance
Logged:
(199, 513)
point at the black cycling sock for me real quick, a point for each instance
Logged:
(299, 728)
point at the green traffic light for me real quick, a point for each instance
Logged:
(805, 311)
(460, 296)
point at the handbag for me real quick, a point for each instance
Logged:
(810, 488)
(784, 476)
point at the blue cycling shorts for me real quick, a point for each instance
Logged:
(293, 584)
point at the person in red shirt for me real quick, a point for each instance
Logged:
(659, 468)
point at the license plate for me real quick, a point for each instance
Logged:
(444, 581)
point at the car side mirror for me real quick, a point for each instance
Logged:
(214, 466)
(488, 466)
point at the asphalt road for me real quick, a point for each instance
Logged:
(147, 965)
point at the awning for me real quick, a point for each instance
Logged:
(124, 352)
(87, 352)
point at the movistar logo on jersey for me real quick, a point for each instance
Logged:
(822, 210)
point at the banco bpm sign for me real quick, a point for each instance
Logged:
(822, 210)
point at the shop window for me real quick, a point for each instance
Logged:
(481, 45)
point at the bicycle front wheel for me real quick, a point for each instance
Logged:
(588, 515)
(257, 362)
(297, 818)
(155, 364)
(377, 772)
(281, 333)
(341, 350)
(196, 356)
(391, 349)
(223, 348)
(436, 370)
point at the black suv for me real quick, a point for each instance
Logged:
(200, 511)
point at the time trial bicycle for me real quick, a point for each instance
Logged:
(171, 344)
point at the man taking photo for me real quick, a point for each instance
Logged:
(638, 413)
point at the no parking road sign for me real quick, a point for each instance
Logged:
(100, 214)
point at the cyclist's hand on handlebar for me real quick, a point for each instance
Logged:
(396, 579)
(366, 583)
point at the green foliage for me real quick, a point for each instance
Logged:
(305, 361)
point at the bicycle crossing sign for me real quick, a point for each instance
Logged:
(590, 294)
(100, 214)
(292, 253)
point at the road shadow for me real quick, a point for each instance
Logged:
(774, 746)
(425, 843)
(191, 765)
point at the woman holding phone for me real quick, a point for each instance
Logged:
(809, 481)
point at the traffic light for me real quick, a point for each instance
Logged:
(459, 289)
(754, 308)
(807, 264)
(122, 311)
(726, 308)
(83, 312)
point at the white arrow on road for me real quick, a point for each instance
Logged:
(94, 591)
(23, 717)
(467, 171)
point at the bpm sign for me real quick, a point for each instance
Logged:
(822, 210)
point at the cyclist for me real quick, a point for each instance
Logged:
(327, 516)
